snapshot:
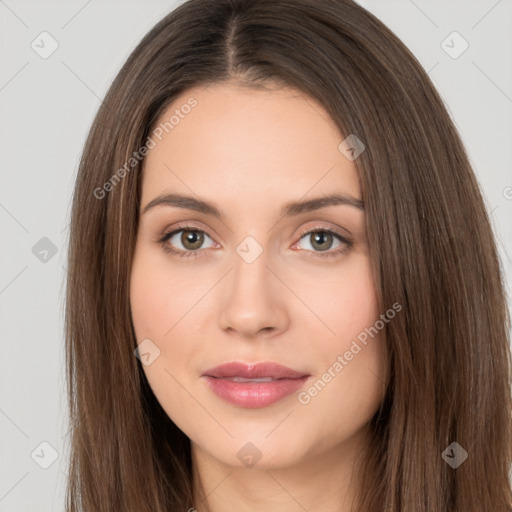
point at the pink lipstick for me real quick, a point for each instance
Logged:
(254, 385)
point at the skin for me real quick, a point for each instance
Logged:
(249, 152)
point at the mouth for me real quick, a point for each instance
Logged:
(253, 371)
(243, 379)
(254, 385)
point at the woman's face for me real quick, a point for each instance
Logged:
(250, 286)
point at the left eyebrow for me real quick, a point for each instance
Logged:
(290, 209)
(298, 207)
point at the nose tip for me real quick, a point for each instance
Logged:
(251, 304)
(250, 328)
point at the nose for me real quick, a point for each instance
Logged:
(252, 299)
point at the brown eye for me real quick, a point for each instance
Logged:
(192, 240)
(185, 241)
(321, 240)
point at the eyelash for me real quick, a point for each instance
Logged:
(347, 243)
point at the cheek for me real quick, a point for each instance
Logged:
(346, 302)
(157, 298)
(148, 300)
(353, 355)
(161, 300)
(157, 305)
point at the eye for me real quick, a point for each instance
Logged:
(321, 240)
(190, 238)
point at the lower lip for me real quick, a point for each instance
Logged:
(254, 394)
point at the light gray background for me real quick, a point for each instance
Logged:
(46, 108)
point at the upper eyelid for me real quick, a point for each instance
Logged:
(184, 227)
(190, 227)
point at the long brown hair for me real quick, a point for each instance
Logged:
(431, 244)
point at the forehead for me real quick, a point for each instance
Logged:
(235, 143)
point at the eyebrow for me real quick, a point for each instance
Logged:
(288, 210)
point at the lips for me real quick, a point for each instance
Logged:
(253, 372)
(253, 385)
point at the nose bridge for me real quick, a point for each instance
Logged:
(252, 300)
(250, 274)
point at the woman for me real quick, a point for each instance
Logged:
(284, 291)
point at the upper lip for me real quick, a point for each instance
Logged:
(254, 371)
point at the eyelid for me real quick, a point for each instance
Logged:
(325, 227)
(346, 241)
(185, 226)
(317, 227)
